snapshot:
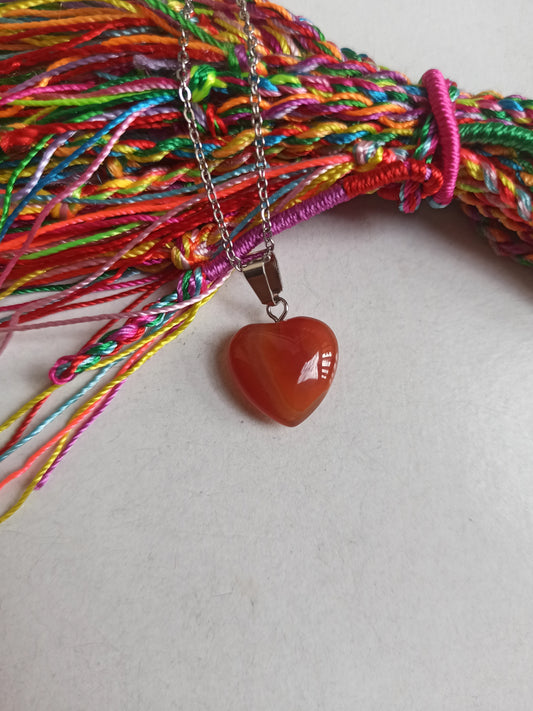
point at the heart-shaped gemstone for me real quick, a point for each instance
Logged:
(285, 368)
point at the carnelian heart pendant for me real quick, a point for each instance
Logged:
(285, 368)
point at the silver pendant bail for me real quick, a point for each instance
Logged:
(264, 278)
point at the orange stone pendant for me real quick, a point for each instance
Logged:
(285, 368)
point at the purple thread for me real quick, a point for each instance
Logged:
(298, 213)
(46, 157)
(55, 72)
(443, 109)
(117, 133)
(153, 65)
(240, 53)
(98, 411)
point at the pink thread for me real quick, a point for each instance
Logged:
(57, 71)
(81, 429)
(66, 193)
(111, 260)
(40, 90)
(108, 316)
(443, 109)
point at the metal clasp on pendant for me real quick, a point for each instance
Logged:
(265, 279)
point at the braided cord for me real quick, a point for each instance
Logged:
(102, 197)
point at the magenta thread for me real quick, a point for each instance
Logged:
(443, 109)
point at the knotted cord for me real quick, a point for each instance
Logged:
(102, 199)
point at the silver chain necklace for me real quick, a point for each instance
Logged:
(284, 368)
(263, 272)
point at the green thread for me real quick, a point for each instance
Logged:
(84, 240)
(521, 139)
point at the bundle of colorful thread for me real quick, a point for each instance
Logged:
(102, 198)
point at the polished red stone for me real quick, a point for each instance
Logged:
(285, 368)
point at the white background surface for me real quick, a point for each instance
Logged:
(186, 555)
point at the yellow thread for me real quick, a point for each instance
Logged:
(31, 210)
(238, 143)
(335, 173)
(281, 39)
(27, 407)
(5, 175)
(14, 27)
(324, 129)
(140, 249)
(40, 41)
(232, 35)
(20, 282)
(101, 394)
(506, 182)
(372, 162)
(160, 343)
(139, 185)
(470, 168)
(116, 184)
(21, 5)
(325, 180)
(178, 259)
(38, 115)
(33, 483)
(147, 158)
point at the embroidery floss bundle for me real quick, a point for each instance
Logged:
(102, 198)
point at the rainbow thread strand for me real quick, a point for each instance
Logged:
(102, 197)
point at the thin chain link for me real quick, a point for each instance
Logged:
(183, 75)
(257, 121)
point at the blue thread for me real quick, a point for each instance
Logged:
(510, 104)
(343, 138)
(273, 140)
(490, 180)
(267, 85)
(376, 95)
(197, 274)
(279, 193)
(59, 411)
(523, 204)
(56, 173)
